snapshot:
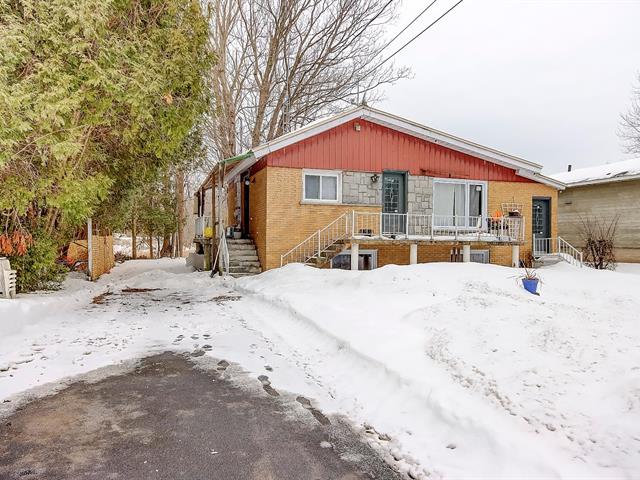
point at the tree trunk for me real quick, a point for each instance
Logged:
(150, 245)
(180, 211)
(165, 251)
(134, 237)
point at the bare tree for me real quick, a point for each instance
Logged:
(598, 235)
(630, 123)
(283, 63)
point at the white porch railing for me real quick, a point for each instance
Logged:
(319, 242)
(557, 246)
(201, 224)
(438, 227)
(387, 226)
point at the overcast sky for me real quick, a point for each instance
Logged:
(545, 80)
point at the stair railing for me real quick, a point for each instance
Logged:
(319, 242)
(569, 253)
(559, 247)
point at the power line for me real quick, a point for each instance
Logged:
(410, 23)
(397, 35)
(414, 38)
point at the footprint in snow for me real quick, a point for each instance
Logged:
(317, 414)
(222, 365)
(266, 385)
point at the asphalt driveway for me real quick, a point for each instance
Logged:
(169, 420)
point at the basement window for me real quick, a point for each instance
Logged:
(367, 260)
(480, 256)
(321, 186)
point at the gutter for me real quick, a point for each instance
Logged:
(540, 178)
(601, 181)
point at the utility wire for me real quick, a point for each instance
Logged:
(414, 38)
(407, 43)
(410, 23)
(397, 35)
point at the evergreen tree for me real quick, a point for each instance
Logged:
(97, 97)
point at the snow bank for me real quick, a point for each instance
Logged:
(470, 374)
(48, 336)
(610, 171)
(632, 268)
(467, 373)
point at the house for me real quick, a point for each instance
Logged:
(610, 191)
(365, 188)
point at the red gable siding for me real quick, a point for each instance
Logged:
(376, 148)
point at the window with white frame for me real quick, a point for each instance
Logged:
(321, 186)
(459, 203)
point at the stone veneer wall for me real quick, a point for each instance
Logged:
(358, 189)
(420, 195)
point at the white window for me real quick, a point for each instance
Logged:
(459, 203)
(321, 186)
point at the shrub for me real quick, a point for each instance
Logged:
(37, 268)
(598, 236)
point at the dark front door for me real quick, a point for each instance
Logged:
(394, 203)
(541, 223)
(246, 183)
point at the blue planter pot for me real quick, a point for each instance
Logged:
(530, 285)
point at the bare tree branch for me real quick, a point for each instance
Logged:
(283, 63)
(630, 123)
(598, 236)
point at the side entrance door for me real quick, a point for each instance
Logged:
(541, 224)
(246, 183)
(394, 203)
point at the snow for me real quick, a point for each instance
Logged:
(632, 268)
(458, 355)
(452, 369)
(122, 244)
(610, 171)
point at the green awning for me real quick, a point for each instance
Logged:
(237, 158)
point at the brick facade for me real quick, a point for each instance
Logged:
(522, 193)
(258, 213)
(280, 220)
(289, 220)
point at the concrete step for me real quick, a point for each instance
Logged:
(549, 259)
(243, 247)
(243, 258)
(243, 251)
(241, 241)
(245, 269)
(240, 275)
(233, 264)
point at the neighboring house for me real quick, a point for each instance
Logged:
(366, 188)
(603, 192)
